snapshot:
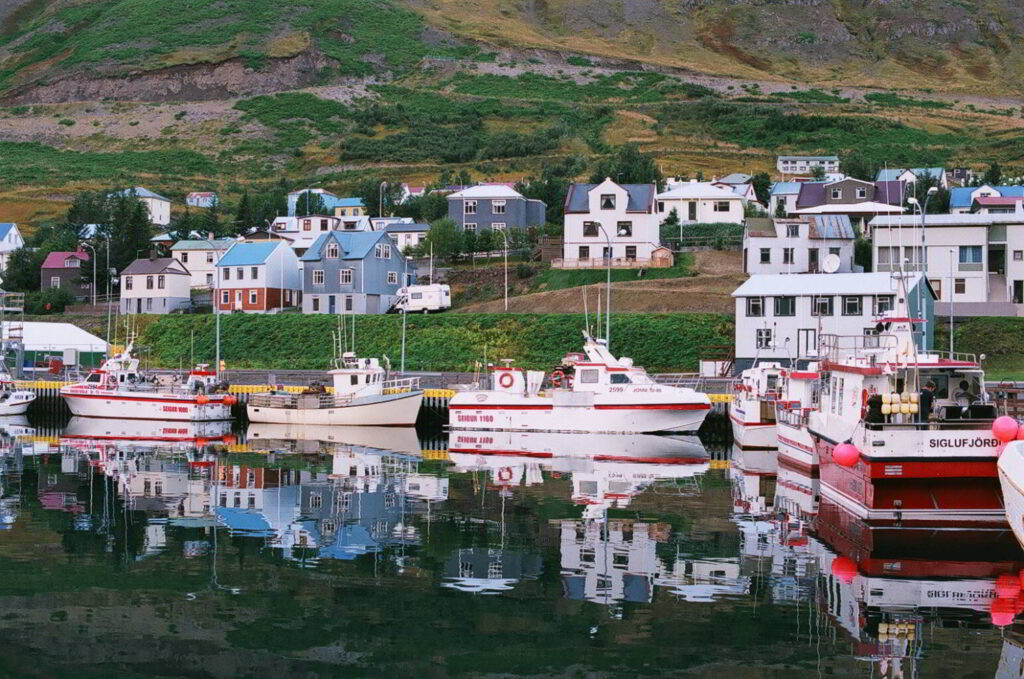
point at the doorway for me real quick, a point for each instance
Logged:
(1018, 292)
(806, 342)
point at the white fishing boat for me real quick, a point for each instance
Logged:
(591, 392)
(638, 448)
(118, 389)
(752, 411)
(363, 395)
(13, 401)
(1011, 481)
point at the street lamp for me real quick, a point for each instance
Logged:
(923, 257)
(87, 245)
(608, 301)
(405, 311)
(380, 199)
(502, 232)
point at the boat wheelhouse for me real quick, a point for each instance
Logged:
(752, 411)
(13, 401)
(799, 396)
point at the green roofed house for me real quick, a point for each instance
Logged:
(200, 257)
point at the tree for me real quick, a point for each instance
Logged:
(628, 166)
(762, 182)
(671, 227)
(939, 202)
(552, 185)
(485, 241)
(817, 173)
(469, 242)
(424, 209)
(309, 203)
(244, 214)
(855, 164)
(446, 239)
(379, 194)
(993, 175)
(780, 208)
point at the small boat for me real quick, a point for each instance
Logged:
(591, 392)
(118, 389)
(752, 411)
(13, 401)
(363, 395)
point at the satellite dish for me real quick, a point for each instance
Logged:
(830, 264)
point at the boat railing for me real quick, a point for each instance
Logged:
(844, 347)
(400, 385)
(294, 401)
(791, 413)
(935, 425)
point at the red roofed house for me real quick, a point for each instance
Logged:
(64, 270)
(201, 199)
(998, 205)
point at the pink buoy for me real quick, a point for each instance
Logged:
(1007, 586)
(844, 568)
(846, 454)
(1005, 428)
(1003, 611)
(1020, 433)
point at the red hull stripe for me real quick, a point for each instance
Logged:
(652, 460)
(651, 406)
(161, 439)
(494, 406)
(810, 470)
(141, 399)
(796, 444)
(510, 453)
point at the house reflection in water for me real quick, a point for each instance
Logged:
(485, 570)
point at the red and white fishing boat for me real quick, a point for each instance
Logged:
(590, 392)
(878, 458)
(90, 432)
(799, 396)
(752, 411)
(118, 389)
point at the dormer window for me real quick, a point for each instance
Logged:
(862, 193)
(837, 194)
(607, 201)
(72, 263)
(332, 251)
(280, 226)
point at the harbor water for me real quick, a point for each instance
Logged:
(169, 550)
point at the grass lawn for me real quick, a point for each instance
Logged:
(559, 279)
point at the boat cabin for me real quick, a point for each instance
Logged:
(363, 376)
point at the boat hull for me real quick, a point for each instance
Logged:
(1011, 481)
(17, 403)
(392, 410)
(797, 449)
(154, 406)
(748, 429)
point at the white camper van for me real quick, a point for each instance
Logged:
(424, 298)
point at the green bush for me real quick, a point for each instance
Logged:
(48, 301)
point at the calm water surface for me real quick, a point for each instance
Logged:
(271, 553)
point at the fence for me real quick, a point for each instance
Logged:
(616, 263)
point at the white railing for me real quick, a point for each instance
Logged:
(401, 385)
(294, 401)
(601, 263)
(836, 347)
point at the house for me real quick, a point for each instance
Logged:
(10, 240)
(961, 176)
(407, 235)
(155, 285)
(381, 223)
(200, 258)
(746, 192)
(356, 273)
(961, 198)
(201, 199)
(349, 207)
(974, 261)
(410, 192)
(701, 202)
(997, 205)
(610, 220)
(159, 207)
(781, 317)
(64, 270)
(494, 207)
(785, 193)
(334, 205)
(910, 176)
(806, 164)
(859, 200)
(798, 245)
(257, 277)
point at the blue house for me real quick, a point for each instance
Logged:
(494, 207)
(345, 272)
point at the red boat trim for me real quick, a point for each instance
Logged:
(110, 437)
(796, 444)
(500, 406)
(510, 453)
(655, 406)
(750, 424)
(114, 396)
(804, 375)
(652, 460)
(856, 369)
(793, 464)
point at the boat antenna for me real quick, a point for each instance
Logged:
(586, 313)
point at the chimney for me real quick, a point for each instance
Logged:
(209, 235)
(152, 255)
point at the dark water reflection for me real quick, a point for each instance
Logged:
(135, 549)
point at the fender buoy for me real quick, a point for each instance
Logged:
(506, 380)
(505, 474)
(202, 399)
(863, 403)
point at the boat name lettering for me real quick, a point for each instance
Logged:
(476, 418)
(980, 442)
(474, 439)
(968, 595)
(175, 409)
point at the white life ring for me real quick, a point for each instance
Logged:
(505, 474)
(506, 380)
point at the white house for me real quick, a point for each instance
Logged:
(781, 317)
(806, 164)
(10, 240)
(962, 199)
(200, 258)
(785, 193)
(974, 261)
(609, 220)
(798, 245)
(157, 285)
(911, 175)
(201, 199)
(407, 235)
(159, 207)
(701, 202)
(746, 192)
(302, 232)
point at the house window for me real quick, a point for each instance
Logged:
(837, 194)
(227, 274)
(382, 251)
(209, 279)
(607, 201)
(225, 297)
(631, 253)
(624, 229)
(307, 224)
(721, 206)
(936, 286)
(785, 306)
(821, 305)
(149, 282)
(661, 206)
(254, 297)
(345, 277)
(254, 272)
(970, 254)
(316, 304)
(833, 251)
(498, 207)
(160, 282)
(469, 207)
(584, 252)
(71, 263)
(755, 307)
(392, 278)
(853, 305)
(239, 273)
(348, 302)
(323, 224)
(149, 304)
(498, 226)
(209, 258)
(884, 304)
(332, 251)
(792, 230)
(764, 338)
(469, 226)
(318, 276)
(960, 286)
(54, 281)
(787, 255)
(184, 258)
(127, 282)
(590, 229)
(1018, 255)
(766, 255)
(280, 226)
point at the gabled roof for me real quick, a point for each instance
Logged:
(407, 228)
(249, 254)
(5, 228)
(166, 265)
(354, 244)
(788, 188)
(641, 197)
(55, 260)
(201, 194)
(487, 191)
(322, 192)
(203, 244)
(760, 227)
(960, 196)
(141, 192)
(831, 227)
(348, 202)
(698, 190)
(802, 284)
(893, 173)
(812, 194)
(735, 178)
(997, 201)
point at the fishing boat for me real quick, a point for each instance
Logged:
(752, 411)
(362, 394)
(119, 389)
(13, 401)
(323, 439)
(798, 396)
(88, 432)
(638, 448)
(879, 456)
(591, 392)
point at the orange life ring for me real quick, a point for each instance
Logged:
(505, 474)
(863, 403)
(557, 377)
(506, 380)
